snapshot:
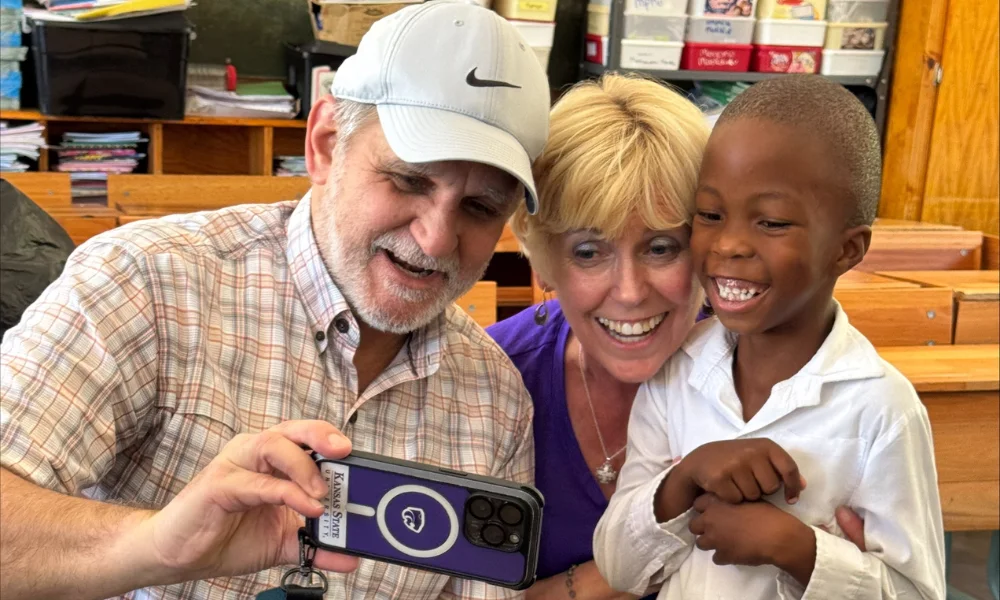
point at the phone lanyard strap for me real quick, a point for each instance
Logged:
(307, 553)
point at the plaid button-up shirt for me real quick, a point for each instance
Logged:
(164, 339)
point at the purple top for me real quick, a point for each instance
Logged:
(574, 502)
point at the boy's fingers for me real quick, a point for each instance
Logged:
(789, 471)
(747, 483)
(766, 477)
(728, 491)
(704, 501)
(697, 525)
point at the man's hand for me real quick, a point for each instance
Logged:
(754, 533)
(241, 513)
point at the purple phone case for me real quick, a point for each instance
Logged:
(409, 520)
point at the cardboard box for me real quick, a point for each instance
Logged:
(347, 23)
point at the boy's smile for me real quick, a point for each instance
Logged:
(767, 236)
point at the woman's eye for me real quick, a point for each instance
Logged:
(585, 252)
(663, 248)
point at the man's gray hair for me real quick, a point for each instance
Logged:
(351, 117)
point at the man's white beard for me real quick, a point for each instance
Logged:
(348, 266)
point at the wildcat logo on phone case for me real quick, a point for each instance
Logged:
(413, 519)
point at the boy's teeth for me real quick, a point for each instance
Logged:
(632, 328)
(737, 290)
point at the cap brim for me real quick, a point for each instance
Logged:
(418, 134)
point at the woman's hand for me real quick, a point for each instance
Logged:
(853, 527)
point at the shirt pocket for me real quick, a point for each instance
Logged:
(832, 468)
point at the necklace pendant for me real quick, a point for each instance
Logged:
(606, 474)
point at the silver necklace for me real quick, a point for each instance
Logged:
(606, 473)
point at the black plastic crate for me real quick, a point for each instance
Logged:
(124, 68)
(301, 59)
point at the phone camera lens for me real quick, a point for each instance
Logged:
(510, 514)
(493, 534)
(481, 508)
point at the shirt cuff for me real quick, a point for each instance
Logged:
(661, 542)
(837, 572)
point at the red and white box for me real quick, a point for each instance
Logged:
(716, 57)
(786, 59)
(595, 49)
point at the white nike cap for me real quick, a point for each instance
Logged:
(453, 81)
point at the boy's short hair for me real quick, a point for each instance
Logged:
(832, 113)
(621, 146)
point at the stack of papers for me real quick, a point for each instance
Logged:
(291, 166)
(19, 145)
(89, 157)
(102, 10)
(218, 103)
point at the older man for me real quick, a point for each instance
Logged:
(155, 398)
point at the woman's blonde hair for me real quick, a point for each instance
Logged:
(620, 146)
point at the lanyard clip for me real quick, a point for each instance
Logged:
(307, 553)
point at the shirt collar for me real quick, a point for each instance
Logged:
(321, 297)
(845, 355)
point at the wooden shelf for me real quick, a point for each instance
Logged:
(32, 115)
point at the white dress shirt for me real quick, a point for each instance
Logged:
(860, 437)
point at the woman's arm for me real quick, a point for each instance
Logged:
(584, 580)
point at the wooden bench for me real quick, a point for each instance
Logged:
(976, 297)
(991, 252)
(960, 386)
(891, 312)
(928, 249)
(481, 303)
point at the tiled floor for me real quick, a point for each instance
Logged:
(969, 551)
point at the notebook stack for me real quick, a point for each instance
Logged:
(291, 166)
(90, 157)
(20, 146)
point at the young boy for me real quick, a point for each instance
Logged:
(778, 411)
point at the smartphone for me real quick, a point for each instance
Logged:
(430, 518)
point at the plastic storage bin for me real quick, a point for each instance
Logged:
(725, 8)
(642, 26)
(598, 19)
(526, 10)
(867, 63)
(663, 8)
(814, 10)
(125, 68)
(786, 59)
(651, 54)
(855, 36)
(858, 11)
(789, 32)
(720, 30)
(300, 63)
(716, 57)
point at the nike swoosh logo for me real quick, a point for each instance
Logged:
(474, 81)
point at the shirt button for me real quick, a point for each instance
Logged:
(353, 419)
(320, 336)
(342, 325)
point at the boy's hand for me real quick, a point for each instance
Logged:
(742, 470)
(753, 534)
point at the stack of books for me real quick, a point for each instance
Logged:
(20, 146)
(90, 157)
(290, 166)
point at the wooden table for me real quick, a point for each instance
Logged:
(977, 300)
(892, 312)
(863, 280)
(960, 386)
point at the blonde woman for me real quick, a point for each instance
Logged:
(616, 184)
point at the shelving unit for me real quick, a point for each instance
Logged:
(875, 87)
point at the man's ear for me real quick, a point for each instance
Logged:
(321, 139)
(855, 242)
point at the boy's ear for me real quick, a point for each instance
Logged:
(854, 245)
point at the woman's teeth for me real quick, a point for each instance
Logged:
(737, 290)
(631, 331)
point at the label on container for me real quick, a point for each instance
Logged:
(730, 8)
(718, 58)
(858, 38)
(794, 61)
(719, 26)
(533, 5)
(793, 9)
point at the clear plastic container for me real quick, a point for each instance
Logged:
(663, 8)
(650, 54)
(855, 36)
(810, 10)
(858, 11)
(722, 8)
(866, 63)
(720, 30)
(644, 26)
(598, 19)
(789, 32)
